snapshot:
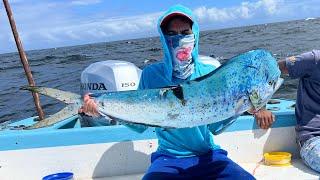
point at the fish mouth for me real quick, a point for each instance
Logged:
(278, 84)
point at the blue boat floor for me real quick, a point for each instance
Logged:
(297, 170)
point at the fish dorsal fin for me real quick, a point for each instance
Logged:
(205, 76)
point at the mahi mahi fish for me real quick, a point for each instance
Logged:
(245, 82)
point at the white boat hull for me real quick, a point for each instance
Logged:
(115, 152)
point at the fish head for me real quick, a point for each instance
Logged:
(260, 95)
(265, 80)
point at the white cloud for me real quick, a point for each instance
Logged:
(88, 31)
(245, 10)
(114, 26)
(48, 24)
(271, 6)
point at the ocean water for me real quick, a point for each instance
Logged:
(61, 67)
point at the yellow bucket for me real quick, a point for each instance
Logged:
(277, 159)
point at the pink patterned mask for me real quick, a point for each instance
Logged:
(181, 47)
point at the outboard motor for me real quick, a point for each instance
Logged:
(107, 76)
(110, 76)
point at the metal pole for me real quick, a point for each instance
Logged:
(23, 58)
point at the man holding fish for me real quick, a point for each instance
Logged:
(183, 153)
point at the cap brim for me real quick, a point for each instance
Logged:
(170, 16)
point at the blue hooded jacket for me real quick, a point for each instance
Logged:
(186, 141)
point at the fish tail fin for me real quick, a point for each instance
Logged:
(63, 96)
(73, 100)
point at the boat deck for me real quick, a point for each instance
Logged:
(296, 171)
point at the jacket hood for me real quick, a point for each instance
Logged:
(181, 10)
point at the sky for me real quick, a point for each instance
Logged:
(47, 24)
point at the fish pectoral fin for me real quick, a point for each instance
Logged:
(178, 92)
(63, 96)
(65, 113)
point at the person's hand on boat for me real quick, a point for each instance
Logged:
(264, 118)
(89, 107)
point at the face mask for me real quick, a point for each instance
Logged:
(181, 47)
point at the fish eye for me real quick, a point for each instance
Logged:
(270, 83)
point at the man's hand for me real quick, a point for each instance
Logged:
(264, 118)
(283, 67)
(89, 107)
